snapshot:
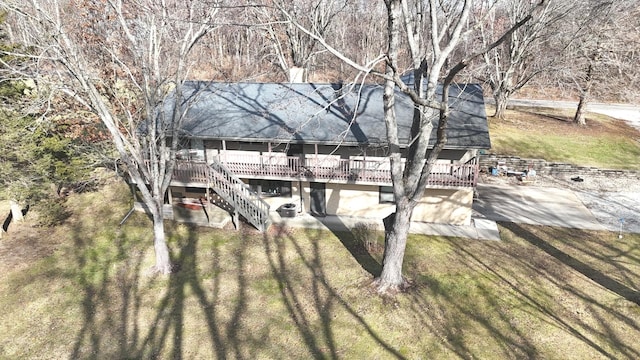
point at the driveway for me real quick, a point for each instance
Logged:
(614, 210)
(534, 205)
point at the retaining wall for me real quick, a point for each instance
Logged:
(544, 167)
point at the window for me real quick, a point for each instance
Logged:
(193, 150)
(386, 195)
(271, 187)
(196, 190)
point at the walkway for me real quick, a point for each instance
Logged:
(481, 229)
(534, 205)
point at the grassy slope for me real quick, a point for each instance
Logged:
(83, 290)
(549, 134)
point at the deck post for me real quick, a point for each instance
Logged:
(208, 175)
(316, 150)
(224, 152)
(236, 219)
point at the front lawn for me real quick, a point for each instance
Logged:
(548, 134)
(83, 290)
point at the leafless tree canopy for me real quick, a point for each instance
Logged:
(253, 41)
(118, 61)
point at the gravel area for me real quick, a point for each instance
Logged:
(615, 202)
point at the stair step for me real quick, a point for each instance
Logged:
(238, 194)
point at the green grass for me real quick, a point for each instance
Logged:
(548, 134)
(84, 290)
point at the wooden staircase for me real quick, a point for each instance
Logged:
(245, 201)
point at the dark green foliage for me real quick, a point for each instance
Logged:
(33, 156)
(53, 211)
(38, 155)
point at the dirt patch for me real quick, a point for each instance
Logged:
(23, 244)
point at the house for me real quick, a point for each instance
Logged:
(319, 149)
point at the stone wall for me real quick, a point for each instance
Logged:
(544, 167)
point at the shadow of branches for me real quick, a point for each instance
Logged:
(235, 295)
(293, 293)
(325, 299)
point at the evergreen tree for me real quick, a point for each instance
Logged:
(38, 155)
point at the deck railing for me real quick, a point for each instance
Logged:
(323, 169)
(191, 172)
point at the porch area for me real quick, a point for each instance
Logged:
(321, 169)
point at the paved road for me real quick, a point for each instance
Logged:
(627, 112)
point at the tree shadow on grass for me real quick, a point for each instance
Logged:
(355, 245)
(298, 293)
(129, 313)
(99, 288)
(537, 306)
(327, 302)
(169, 323)
(503, 289)
(459, 308)
(535, 278)
(116, 306)
(579, 266)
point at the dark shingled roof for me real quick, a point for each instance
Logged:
(320, 114)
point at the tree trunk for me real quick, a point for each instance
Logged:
(396, 232)
(502, 100)
(579, 117)
(163, 262)
(16, 211)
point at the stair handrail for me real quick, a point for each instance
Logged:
(240, 195)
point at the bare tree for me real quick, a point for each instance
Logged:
(605, 56)
(444, 25)
(448, 25)
(524, 54)
(121, 60)
(294, 49)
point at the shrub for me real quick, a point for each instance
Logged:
(366, 235)
(52, 212)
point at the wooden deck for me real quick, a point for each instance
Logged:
(321, 170)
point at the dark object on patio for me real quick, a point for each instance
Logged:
(191, 204)
(577, 179)
(288, 210)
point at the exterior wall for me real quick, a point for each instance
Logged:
(214, 147)
(445, 206)
(355, 200)
(276, 201)
(439, 205)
